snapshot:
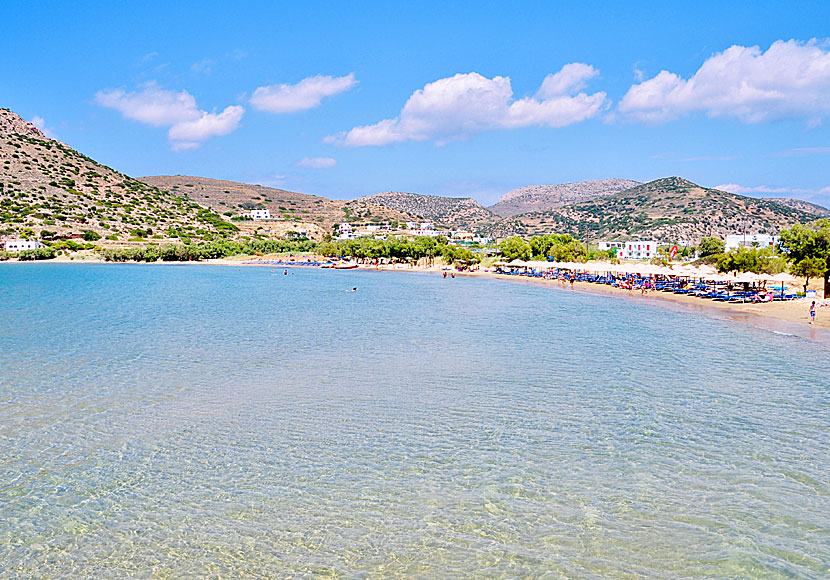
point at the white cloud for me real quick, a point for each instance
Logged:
(457, 107)
(207, 125)
(152, 105)
(189, 126)
(306, 94)
(572, 77)
(790, 79)
(316, 162)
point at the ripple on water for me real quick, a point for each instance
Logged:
(222, 422)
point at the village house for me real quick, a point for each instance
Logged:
(21, 245)
(260, 214)
(750, 241)
(639, 250)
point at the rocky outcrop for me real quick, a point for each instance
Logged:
(457, 212)
(11, 123)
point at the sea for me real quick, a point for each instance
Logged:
(194, 421)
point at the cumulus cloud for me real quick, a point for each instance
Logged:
(316, 162)
(457, 107)
(306, 94)
(188, 125)
(207, 125)
(152, 105)
(790, 79)
(572, 77)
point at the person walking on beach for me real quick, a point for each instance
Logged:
(813, 312)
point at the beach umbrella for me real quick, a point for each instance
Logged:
(747, 278)
(783, 277)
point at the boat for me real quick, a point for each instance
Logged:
(346, 266)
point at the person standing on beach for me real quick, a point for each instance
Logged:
(813, 312)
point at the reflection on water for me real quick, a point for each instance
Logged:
(222, 422)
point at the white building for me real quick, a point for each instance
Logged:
(427, 226)
(639, 250)
(20, 245)
(750, 241)
(345, 229)
(260, 214)
(429, 233)
(412, 225)
(605, 246)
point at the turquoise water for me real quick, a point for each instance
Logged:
(222, 422)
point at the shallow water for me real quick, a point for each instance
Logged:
(197, 421)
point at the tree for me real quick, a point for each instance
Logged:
(710, 246)
(808, 250)
(515, 248)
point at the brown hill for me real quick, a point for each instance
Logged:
(813, 208)
(451, 212)
(544, 197)
(234, 199)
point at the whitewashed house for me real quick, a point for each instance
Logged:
(412, 225)
(639, 250)
(260, 214)
(605, 246)
(21, 245)
(750, 241)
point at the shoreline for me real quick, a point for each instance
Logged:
(790, 317)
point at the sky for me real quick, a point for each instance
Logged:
(345, 99)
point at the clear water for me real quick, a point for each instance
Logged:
(222, 422)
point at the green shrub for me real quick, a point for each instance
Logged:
(42, 253)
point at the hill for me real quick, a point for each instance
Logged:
(452, 212)
(49, 190)
(544, 197)
(812, 208)
(666, 210)
(294, 210)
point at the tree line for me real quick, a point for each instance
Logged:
(360, 248)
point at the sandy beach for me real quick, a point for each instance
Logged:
(787, 316)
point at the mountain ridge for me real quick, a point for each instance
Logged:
(668, 209)
(453, 212)
(543, 197)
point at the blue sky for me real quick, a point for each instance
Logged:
(463, 99)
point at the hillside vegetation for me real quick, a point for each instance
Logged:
(544, 197)
(49, 190)
(299, 210)
(670, 209)
(451, 212)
